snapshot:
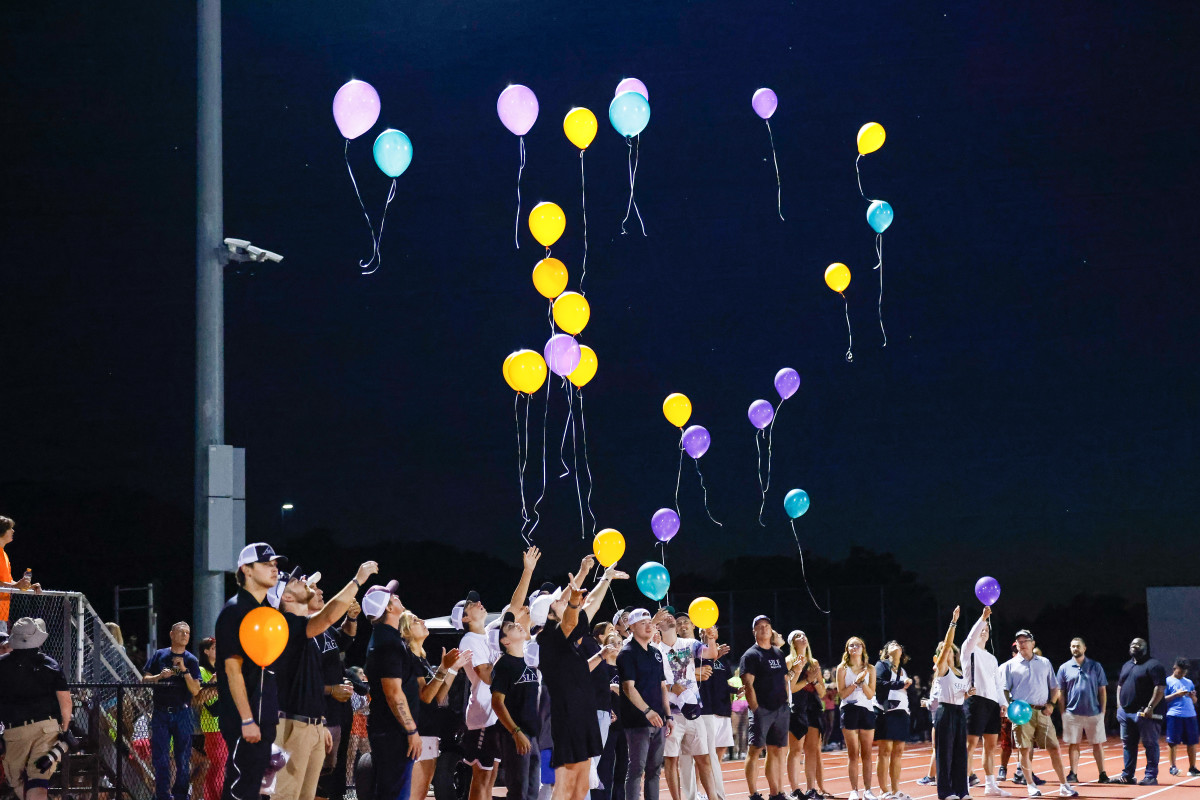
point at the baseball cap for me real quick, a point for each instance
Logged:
(1026, 633)
(539, 609)
(260, 553)
(275, 593)
(616, 620)
(546, 588)
(376, 600)
(456, 614)
(669, 609)
(794, 634)
(639, 615)
(759, 619)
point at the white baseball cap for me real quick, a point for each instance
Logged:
(638, 615)
(375, 601)
(539, 609)
(260, 552)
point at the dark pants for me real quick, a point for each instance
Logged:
(522, 773)
(950, 740)
(165, 726)
(332, 785)
(393, 767)
(613, 767)
(246, 765)
(1135, 730)
(645, 761)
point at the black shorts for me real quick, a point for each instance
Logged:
(857, 718)
(892, 726)
(798, 725)
(769, 728)
(481, 747)
(983, 716)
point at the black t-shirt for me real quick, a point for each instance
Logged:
(330, 645)
(388, 657)
(565, 671)
(298, 672)
(519, 684)
(29, 683)
(260, 684)
(770, 676)
(715, 692)
(600, 677)
(1137, 682)
(174, 692)
(643, 666)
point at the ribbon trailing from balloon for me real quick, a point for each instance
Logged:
(580, 377)
(524, 371)
(580, 126)
(517, 108)
(763, 417)
(764, 102)
(677, 408)
(393, 153)
(837, 278)
(695, 442)
(879, 213)
(629, 114)
(795, 504)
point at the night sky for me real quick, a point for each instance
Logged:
(1034, 415)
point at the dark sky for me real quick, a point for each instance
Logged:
(1034, 415)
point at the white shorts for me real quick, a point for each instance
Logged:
(1075, 726)
(689, 738)
(720, 730)
(431, 746)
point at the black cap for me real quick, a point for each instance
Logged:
(547, 588)
(1026, 633)
(759, 619)
(472, 597)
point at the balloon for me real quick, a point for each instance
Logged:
(795, 503)
(583, 374)
(1019, 712)
(393, 152)
(764, 102)
(629, 112)
(562, 354)
(703, 612)
(987, 589)
(632, 85)
(550, 277)
(665, 524)
(263, 634)
(787, 381)
(527, 370)
(609, 546)
(518, 108)
(507, 376)
(580, 127)
(653, 580)
(547, 222)
(355, 108)
(837, 277)
(677, 409)
(696, 441)
(870, 138)
(761, 414)
(572, 312)
(879, 215)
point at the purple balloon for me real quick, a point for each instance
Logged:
(518, 108)
(764, 102)
(665, 524)
(355, 108)
(562, 354)
(696, 441)
(787, 381)
(761, 414)
(987, 589)
(632, 85)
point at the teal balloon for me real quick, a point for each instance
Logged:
(653, 580)
(795, 503)
(879, 215)
(393, 152)
(629, 113)
(1019, 712)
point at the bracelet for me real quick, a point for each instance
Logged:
(356, 583)
(953, 624)
(646, 711)
(246, 722)
(515, 731)
(450, 673)
(410, 733)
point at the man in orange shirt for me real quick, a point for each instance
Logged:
(7, 527)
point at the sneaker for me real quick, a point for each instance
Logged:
(925, 780)
(1002, 775)
(902, 796)
(1072, 777)
(869, 795)
(756, 796)
(1034, 791)
(853, 795)
(812, 794)
(1174, 770)
(953, 797)
(1038, 781)
(1123, 778)
(1148, 782)
(1066, 791)
(1103, 778)
(995, 791)
(973, 780)
(1019, 779)
(1193, 771)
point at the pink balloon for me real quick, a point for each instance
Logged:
(632, 85)
(518, 108)
(764, 102)
(562, 354)
(355, 108)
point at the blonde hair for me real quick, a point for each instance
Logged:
(792, 658)
(115, 630)
(955, 665)
(406, 623)
(846, 654)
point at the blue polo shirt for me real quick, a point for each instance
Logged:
(1081, 684)
(1031, 681)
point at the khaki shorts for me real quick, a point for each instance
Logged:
(23, 746)
(689, 737)
(1076, 726)
(1038, 732)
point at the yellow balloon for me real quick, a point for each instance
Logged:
(837, 277)
(587, 367)
(527, 370)
(677, 409)
(609, 546)
(550, 277)
(580, 127)
(572, 312)
(507, 376)
(703, 612)
(547, 222)
(870, 137)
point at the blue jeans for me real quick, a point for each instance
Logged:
(392, 766)
(165, 726)
(1135, 729)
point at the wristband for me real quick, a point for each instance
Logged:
(411, 733)
(246, 722)
(356, 583)
(646, 711)
(451, 673)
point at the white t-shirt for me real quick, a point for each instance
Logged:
(980, 666)
(679, 665)
(479, 704)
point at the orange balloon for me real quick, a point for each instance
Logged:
(264, 634)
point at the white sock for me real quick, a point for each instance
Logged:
(1032, 788)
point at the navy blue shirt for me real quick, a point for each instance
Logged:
(1136, 684)
(715, 693)
(172, 692)
(260, 683)
(770, 676)
(643, 666)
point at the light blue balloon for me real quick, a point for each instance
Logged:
(629, 113)
(393, 152)
(653, 580)
(879, 215)
(795, 503)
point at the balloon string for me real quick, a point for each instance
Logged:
(879, 266)
(859, 174)
(770, 437)
(261, 676)
(803, 573)
(778, 185)
(575, 459)
(378, 258)
(583, 197)
(850, 345)
(545, 415)
(520, 464)
(583, 427)
(758, 450)
(520, 169)
(703, 489)
(570, 415)
(678, 475)
(550, 315)
(632, 204)
(524, 514)
(370, 226)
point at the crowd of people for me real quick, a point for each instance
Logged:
(567, 706)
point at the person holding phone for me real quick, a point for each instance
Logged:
(176, 673)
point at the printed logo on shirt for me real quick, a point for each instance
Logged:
(774, 663)
(528, 675)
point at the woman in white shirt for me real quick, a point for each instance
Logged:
(856, 687)
(950, 727)
(892, 723)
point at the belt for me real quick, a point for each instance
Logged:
(29, 722)
(304, 719)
